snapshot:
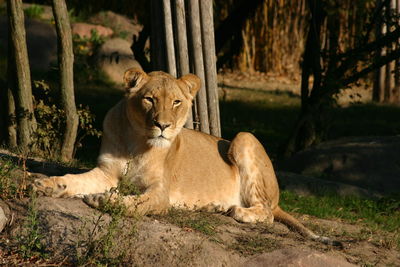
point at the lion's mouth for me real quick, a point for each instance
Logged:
(159, 141)
(157, 133)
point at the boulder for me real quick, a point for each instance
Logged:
(114, 57)
(84, 30)
(305, 186)
(295, 257)
(5, 215)
(70, 225)
(121, 25)
(371, 163)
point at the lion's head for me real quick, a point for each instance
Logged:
(159, 104)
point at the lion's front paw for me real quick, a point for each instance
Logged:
(96, 200)
(52, 187)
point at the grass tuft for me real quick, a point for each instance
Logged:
(249, 245)
(203, 222)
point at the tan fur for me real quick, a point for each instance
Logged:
(144, 140)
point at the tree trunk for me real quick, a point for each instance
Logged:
(304, 133)
(396, 93)
(12, 121)
(339, 71)
(10, 100)
(389, 67)
(24, 104)
(3, 113)
(66, 64)
(138, 48)
(379, 74)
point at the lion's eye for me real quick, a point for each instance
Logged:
(148, 99)
(177, 102)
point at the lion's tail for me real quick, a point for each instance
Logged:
(294, 224)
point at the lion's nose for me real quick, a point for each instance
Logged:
(162, 126)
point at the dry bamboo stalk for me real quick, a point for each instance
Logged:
(182, 57)
(198, 64)
(169, 38)
(207, 33)
(153, 36)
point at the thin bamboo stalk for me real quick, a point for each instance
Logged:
(198, 63)
(169, 38)
(207, 33)
(182, 58)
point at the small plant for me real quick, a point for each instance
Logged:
(87, 46)
(13, 184)
(30, 241)
(34, 11)
(86, 128)
(51, 120)
(8, 186)
(127, 187)
(123, 34)
(100, 246)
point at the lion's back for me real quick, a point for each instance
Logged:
(201, 171)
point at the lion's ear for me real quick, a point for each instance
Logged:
(134, 78)
(192, 82)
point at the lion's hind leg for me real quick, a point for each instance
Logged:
(258, 186)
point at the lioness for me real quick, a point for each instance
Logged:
(144, 140)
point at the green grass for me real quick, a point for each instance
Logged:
(382, 214)
(203, 222)
(34, 11)
(248, 245)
